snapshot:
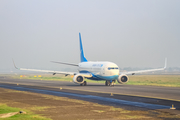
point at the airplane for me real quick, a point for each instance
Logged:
(101, 70)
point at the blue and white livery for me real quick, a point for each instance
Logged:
(101, 70)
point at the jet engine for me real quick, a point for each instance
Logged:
(78, 79)
(122, 79)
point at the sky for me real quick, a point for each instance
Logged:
(130, 33)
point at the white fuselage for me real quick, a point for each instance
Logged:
(100, 70)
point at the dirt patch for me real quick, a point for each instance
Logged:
(8, 114)
(62, 108)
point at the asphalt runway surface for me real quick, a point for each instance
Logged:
(150, 97)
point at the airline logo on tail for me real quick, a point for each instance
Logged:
(83, 59)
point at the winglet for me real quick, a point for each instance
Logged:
(83, 59)
(165, 63)
(14, 64)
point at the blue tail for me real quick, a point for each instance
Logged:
(83, 59)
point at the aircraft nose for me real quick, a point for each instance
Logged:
(116, 72)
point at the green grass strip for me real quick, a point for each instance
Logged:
(154, 80)
(28, 116)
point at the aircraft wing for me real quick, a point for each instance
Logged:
(57, 72)
(142, 71)
(54, 72)
(47, 71)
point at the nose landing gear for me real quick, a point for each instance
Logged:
(110, 83)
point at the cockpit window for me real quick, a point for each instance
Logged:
(111, 68)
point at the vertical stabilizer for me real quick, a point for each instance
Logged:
(83, 59)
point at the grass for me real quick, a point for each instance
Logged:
(154, 80)
(53, 78)
(28, 116)
(5, 109)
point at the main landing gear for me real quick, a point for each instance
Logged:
(110, 82)
(84, 83)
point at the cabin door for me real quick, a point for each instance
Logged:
(103, 71)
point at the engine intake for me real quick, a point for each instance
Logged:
(122, 79)
(78, 79)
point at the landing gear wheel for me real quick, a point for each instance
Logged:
(109, 83)
(112, 83)
(84, 83)
(106, 83)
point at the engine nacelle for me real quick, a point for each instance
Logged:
(78, 79)
(122, 79)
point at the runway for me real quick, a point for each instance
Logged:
(165, 96)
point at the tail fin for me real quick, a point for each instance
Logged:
(83, 59)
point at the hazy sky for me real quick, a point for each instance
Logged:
(130, 33)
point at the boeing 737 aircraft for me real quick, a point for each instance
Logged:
(106, 71)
